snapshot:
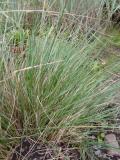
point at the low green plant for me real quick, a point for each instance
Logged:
(18, 36)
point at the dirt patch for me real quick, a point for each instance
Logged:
(34, 150)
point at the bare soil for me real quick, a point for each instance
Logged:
(36, 150)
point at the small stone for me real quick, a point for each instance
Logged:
(98, 153)
(114, 149)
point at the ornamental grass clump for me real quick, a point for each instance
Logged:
(55, 94)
